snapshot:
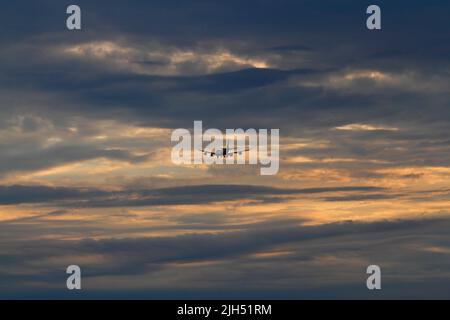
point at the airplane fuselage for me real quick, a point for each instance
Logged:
(222, 152)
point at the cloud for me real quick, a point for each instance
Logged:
(290, 48)
(57, 155)
(364, 127)
(85, 121)
(190, 194)
(40, 194)
(203, 261)
(164, 60)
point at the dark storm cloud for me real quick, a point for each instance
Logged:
(258, 237)
(139, 89)
(349, 248)
(31, 160)
(279, 21)
(192, 194)
(333, 38)
(291, 48)
(38, 194)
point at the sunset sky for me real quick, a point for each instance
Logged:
(86, 176)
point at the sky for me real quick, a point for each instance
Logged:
(86, 176)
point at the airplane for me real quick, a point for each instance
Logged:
(223, 152)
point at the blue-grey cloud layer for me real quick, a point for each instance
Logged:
(319, 59)
(348, 248)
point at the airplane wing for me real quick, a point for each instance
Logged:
(239, 151)
(208, 152)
